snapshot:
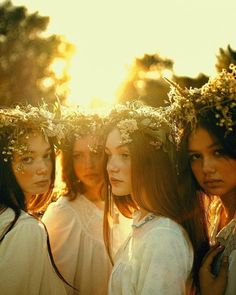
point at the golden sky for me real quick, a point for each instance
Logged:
(109, 34)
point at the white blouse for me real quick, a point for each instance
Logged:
(25, 266)
(157, 258)
(76, 234)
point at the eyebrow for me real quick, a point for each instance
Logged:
(118, 147)
(34, 152)
(215, 144)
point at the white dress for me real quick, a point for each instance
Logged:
(76, 235)
(25, 266)
(156, 259)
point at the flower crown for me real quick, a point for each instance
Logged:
(81, 122)
(16, 123)
(217, 95)
(134, 116)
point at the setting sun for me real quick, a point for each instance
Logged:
(109, 35)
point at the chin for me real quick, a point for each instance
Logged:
(119, 193)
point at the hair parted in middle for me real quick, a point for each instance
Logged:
(151, 141)
(78, 123)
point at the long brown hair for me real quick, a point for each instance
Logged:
(12, 196)
(72, 184)
(156, 188)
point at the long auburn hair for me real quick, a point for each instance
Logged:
(154, 175)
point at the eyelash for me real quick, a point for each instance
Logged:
(216, 153)
(125, 155)
(29, 160)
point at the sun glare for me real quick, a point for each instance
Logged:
(58, 67)
(111, 34)
(92, 85)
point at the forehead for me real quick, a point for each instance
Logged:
(37, 143)
(83, 144)
(114, 139)
(200, 138)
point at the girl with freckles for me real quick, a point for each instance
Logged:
(168, 238)
(26, 180)
(208, 153)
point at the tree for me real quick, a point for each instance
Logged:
(145, 80)
(188, 82)
(27, 57)
(225, 58)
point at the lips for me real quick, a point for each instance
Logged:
(212, 182)
(42, 182)
(115, 180)
(91, 175)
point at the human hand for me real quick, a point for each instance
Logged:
(209, 283)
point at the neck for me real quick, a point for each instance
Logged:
(93, 194)
(143, 213)
(28, 197)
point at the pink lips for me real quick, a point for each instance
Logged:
(115, 180)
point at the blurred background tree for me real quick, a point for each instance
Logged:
(32, 65)
(225, 58)
(145, 80)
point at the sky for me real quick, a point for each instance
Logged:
(110, 34)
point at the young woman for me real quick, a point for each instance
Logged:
(26, 179)
(209, 144)
(75, 220)
(159, 256)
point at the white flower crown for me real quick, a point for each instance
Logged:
(135, 117)
(16, 123)
(218, 95)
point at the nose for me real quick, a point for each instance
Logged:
(112, 165)
(42, 167)
(208, 165)
(89, 161)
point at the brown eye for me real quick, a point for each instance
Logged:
(219, 152)
(125, 156)
(27, 160)
(194, 157)
(77, 156)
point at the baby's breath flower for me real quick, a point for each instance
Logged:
(217, 95)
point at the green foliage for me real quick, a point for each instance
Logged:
(26, 57)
